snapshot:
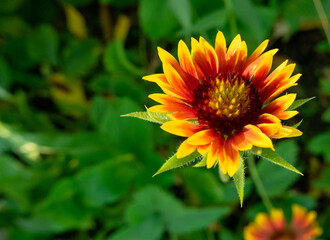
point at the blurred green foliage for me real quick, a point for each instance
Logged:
(72, 168)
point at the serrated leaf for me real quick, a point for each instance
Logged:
(174, 162)
(159, 118)
(274, 158)
(297, 124)
(202, 163)
(239, 178)
(299, 103)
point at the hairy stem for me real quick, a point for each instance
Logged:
(260, 187)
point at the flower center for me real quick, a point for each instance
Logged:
(226, 104)
(285, 235)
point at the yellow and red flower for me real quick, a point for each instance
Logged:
(302, 227)
(222, 101)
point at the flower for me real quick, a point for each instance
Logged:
(274, 227)
(222, 101)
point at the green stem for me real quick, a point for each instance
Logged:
(260, 187)
(232, 18)
(323, 18)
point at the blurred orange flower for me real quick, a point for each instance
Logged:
(216, 97)
(303, 226)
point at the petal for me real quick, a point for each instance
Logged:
(186, 60)
(166, 57)
(162, 82)
(280, 104)
(269, 124)
(233, 53)
(278, 219)
(185, 149)
(262, 71)
(280, 87)
(181, 128)
(232, 156)
(261, 63)
(215, 151)
(220, 49)
(239, 141)
(212, 156)
(211, 56)
(203, 149)
(241, 57)
(164, 98)
(287, 132)
(202, 137)
(259, 50)
(200, 57)
(254, 135)
(182, 115)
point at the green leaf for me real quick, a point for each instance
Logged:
(299, 103)
(182, 11)
(97, 187)
(239, 180)
(320, 145)
(149, 116)
(152, 229)
(81, 55)
(326, 116)
(156, 18)
(43, 45)
(325, 85)
(195, 181)
(174, 162)
(273, 157)
(271, 175)
(196, 219)
(201, 163)
(116, 60)
(297, 124)
(211, 20)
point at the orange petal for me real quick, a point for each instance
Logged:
(269, 124)
(181, 128)
(233, 53)
(202, 137)
(200, 57)
(185, 149)
(157, 78)
(259, 50)
(215, 151)
(254, 135)
(241, 57)
(280, 104)
(182, 115)
(278, 219)
(263, 69)
(232, 156)
(250, 69)
(280, 87)
(239, 141)
(166, 57)
(164, 98)
(220, 49)
(185, 59)
(286, 132)
(211, 55)
(212, 156)
(203, 149)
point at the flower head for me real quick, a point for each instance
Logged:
(222, 101)
(274, 227)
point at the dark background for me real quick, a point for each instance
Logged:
(72, 168)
